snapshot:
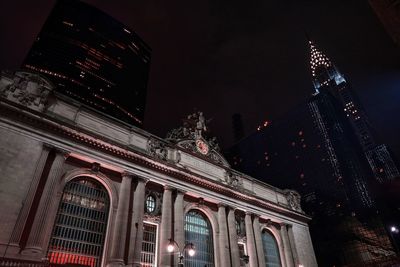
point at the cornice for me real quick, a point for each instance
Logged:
(49, 125)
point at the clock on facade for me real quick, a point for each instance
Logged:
(202, 147)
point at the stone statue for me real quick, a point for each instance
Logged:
(293, 199)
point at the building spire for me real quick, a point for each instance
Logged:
(317, 59)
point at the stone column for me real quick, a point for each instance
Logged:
(292, 245)
(27, 204)
(251, 246)
(259, 244)
(179, 232)
(136, 237)
(235, 257)
(223, 237)
(166, 227)
(43, 223)
(286, 246)
(121, 222)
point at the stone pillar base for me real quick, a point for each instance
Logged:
(31, 251)
(133, 265)
(115, 263)
(10, 250)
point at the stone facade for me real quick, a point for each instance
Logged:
(47, 142)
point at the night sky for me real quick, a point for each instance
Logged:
(247, 57)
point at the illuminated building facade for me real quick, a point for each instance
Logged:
(322, 148)
(77, 189)
(93, 59)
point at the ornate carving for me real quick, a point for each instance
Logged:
(26, 88)
(233, 180)
(96, 167)
(194, 136)
(200, 202)
(194, 127)
(293, 199)
(152, 218)
(241, 228)
(157, 148)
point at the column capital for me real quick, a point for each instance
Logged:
(47, 146)
(141, 179)
(180, 191)
(249, 213)
(58, 150)
(127, 174)
(169, 188)
(62, 152)
(221, 205)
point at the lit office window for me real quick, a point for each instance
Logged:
(80, 226)
(149, 254)
(271, 251)
(199, 232)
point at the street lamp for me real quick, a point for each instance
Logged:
(394, 230)
(189, 247)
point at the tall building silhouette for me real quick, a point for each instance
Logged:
(328, 80)
(321, 149)
(94, 59)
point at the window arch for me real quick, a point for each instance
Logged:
(271, 250)
(80, 227)
(198, 231)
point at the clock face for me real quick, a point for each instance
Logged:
(202, 147)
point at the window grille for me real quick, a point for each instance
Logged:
(149, 245)
(271, 251)
(199, 232)
(150, 204)
(80, 225)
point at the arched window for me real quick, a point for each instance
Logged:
(271, 250)
(199, 232)
(80, 226)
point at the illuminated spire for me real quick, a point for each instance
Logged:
(318, 58)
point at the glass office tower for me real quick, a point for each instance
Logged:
(94, 59)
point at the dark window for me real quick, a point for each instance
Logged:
(80, 226)
(271, 250)
(199, 232)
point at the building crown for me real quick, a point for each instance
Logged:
(318, 59)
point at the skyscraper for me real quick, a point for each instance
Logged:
(94, 59)
(328, 80)
(320, 148)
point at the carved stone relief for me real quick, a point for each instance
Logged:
(233, 180)
(157, 148)
(27, 89)
(194, 137)
(293, 199)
